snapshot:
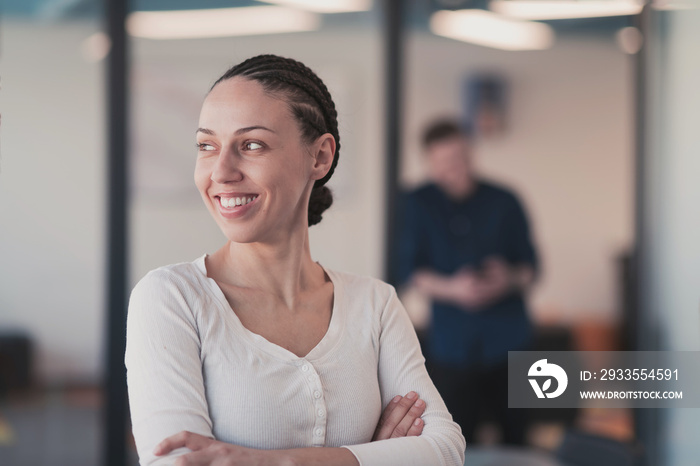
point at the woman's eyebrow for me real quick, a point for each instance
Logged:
(251, 128)
(238, 132)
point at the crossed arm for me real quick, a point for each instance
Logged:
(401, 418)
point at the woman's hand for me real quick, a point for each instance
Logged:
(210, 452)
(401, 418)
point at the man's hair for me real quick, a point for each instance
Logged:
(444, 129)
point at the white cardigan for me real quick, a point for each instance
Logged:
(191, 365)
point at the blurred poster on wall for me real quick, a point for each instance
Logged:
(485, 104)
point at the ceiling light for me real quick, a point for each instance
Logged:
(629, 39)
(220, 22)
(675, 5)
(96, 47)
(491, 30)
(326, 6)
(564, 9)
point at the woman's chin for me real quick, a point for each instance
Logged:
(252, 231)
(240, 235)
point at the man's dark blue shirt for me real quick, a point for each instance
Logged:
(444, 235)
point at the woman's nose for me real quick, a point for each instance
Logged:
(227, 168)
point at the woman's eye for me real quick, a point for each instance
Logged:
(252, 145)
(202, 146)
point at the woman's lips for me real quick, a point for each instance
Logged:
(232, 206)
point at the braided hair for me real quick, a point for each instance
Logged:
(310, 103)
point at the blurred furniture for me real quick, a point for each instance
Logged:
(15, 361)
(627, 284)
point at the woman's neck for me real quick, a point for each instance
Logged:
(284, 269)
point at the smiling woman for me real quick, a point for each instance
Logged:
(256, 354)
(249, 146)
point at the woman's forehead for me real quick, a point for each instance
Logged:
(243, 102)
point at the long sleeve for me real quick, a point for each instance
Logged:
(520, 247)
(401, 368)
(164, 370)
(410, 240)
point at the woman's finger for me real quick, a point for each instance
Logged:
(394, 414)
(182, 439)
(199, 458)
(416, 428)
(218, 453)
(383, 431)
(404, 426)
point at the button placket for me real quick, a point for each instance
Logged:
(318, 400)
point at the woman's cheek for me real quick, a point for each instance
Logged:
(202, 174)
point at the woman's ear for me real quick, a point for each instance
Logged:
(323, 153)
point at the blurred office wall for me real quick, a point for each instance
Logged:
(52, 195)
(567, 150)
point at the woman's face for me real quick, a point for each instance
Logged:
(253, 170)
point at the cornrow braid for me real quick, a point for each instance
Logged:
(310, 103)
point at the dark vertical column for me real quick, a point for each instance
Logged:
(642, 22)
(115, 416)
(393, 59)
(647, 421)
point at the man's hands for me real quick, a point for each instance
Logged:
(481, 289)
(401, 418)
(472, 290)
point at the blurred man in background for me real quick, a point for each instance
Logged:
(465, 243)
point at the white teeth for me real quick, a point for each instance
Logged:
(229, 202)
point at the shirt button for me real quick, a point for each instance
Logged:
(317, 394)
(319, 432)
(320, 413)
(311, 378)
(305, 368)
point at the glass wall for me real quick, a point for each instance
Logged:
(52, 214)
(670, 224)
(552, 121)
